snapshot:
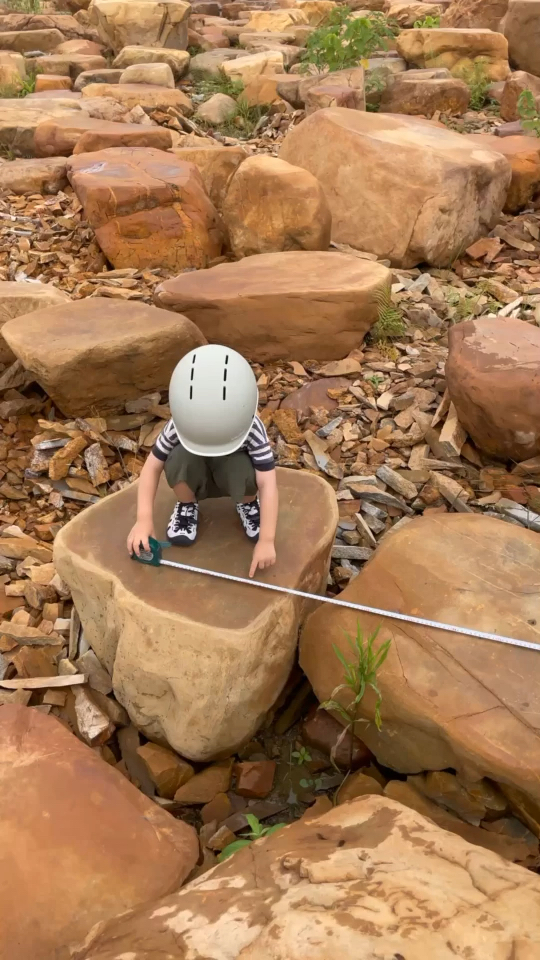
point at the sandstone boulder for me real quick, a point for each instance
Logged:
(523, 155)
(424, 97)
(275, 21)
(406, 13)
(51, 81)
(296, 305)
(68, 65)
(521, 26)
(61, 138)
(220, 653)
(216, 165)
(178, 60)
(12, 70)
(245, 68)
(516, 84)
(148, 208)
(70, 27)
(291, 53)
(98, 353)
(400, 187)
(33, 176)
(20, 298)
(457, 49)
(107, 75)
(342, 885)
(156, 74)
(217, 109)
(87, 48)
(325, 94)
(272, 206)
(63, 805)
(122, 23)
(262, 90)
(486, 14)
(449, 700)
(209, 64)
(25, 41)
(19, 119)
(315, 11)
(145, 95)
(493, 375)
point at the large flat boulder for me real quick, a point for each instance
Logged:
(19, 298)
(369, 879)
(67, 64)
(523, 155)
(493, 376)
(416, 96)
(19, 119)
(34, 176)
(215, 163)
(78, 842)
(148, 208)
(449, 700)
(475, 13)
(61, 137)
(98, 352)
(294, 305)
(122, 23)
(246, 68)
(25, 41)
(70, 27)
(272, 206)
(403, 188)
(178, 60)
(145, 95)
(521, 27)
(457, 49)
(197, 661)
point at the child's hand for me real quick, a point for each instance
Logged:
(264, 555)
(140, 534)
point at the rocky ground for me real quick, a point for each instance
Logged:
(406, 422)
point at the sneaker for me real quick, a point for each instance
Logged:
(182, 529)
(250, 515)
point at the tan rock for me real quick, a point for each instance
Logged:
(19, 119)
(51, 81)
(12, 70)
(523, 155)
(486, 14)
(67, 64)
(343, 870)
(167, 771)
(322, 731)
(80, 47)
(209, 64)
(315, 11)
(425, 97)
(122, 23)
(352, 77)
(25, 41)
(145, 95)
(275, 21)
(122, 849)
(61, 137)
(178, 60)
(445, 789)
(33, 176)
(296, 305)
(325, 95)
(217, 109)
(407, 12)
(148, 209)
(245, 68)
(448, 699)
(448, 193)
(521, 27)
(215, 163)
(359, 784)
(456, 49)
(157, 74)
(272, 206)
(206, 785)
(112, 351)
(291, 53)
(262, 90)
(249, 635)
(493, 375)
(20, 298)
(513, 88)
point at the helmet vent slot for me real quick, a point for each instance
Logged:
(224, 393)
(191, 393)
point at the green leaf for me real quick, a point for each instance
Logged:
(232, 848)
(254, 823)
(276, 826)
(306, 784)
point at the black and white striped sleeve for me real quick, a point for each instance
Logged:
(258, 447)
(166, 442)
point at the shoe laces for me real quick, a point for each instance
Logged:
(184, 516)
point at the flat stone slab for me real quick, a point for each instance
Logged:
(195, 660)
(19, 298)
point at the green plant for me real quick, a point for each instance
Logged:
(220, 84)
(390, 323)
(478, 83)
(256, 832)
(375, 380)
(344, 41)
(243, 122)
(375, 83)
(359, 674)
(311, 784)
(428, 23)
(23, 6)
(17, 90)
(528, 112)
(302, 755)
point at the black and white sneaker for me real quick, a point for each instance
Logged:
(182, 529)
(250, 515)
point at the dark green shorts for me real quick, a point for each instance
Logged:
(232, 476)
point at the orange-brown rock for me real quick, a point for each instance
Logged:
(322, 731)
(19, 298)
(516, 84)
(34, 176)
(523, 155)
(419, 97)
(297, 305)
(26, 41)
(493, 376)
(487, 14)
(456, 49)
(262, 90)
(448, 700)
(166, 770)
(67, 64)
(255, 778)
(51, 81)
(272, 206)
(111, 350)
(148, 208)
(332, 95)
(127, 22)
(84, 48)
(521, 27)
(215, 163)
(62, 805)
(342, 885)
(145, 95)
(62, 137)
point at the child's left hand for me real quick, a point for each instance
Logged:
(264, 555)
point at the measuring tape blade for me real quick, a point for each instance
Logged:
(421, 621)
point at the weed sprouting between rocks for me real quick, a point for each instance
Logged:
(528, 112)
(344, 41)
(390, 323)
(257, 831)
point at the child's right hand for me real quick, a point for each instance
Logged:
(138, 535)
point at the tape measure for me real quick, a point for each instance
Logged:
(154, 558)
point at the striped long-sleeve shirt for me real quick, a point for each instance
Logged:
(256, 445)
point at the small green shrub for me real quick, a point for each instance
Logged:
(375, 84)
(220, 84)
(256, 832)
(343, 41)
(15, 91)
(428, 23)
(23, 6)
(390, 323)
(478, 83)
(528, 112)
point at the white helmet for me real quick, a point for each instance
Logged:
(213, 398)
